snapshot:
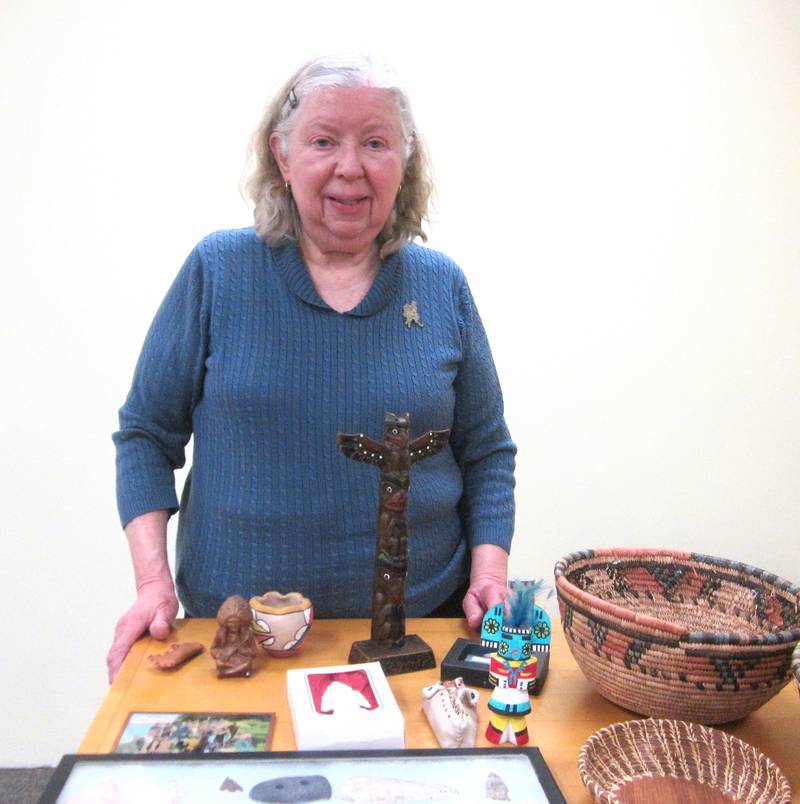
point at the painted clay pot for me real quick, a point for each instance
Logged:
(281, 622)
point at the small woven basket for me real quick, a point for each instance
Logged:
(675, 634)
(616, 759)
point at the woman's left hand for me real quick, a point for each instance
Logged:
(488, 582)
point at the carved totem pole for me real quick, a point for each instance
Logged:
(394, 457)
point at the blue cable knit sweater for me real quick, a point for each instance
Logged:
(245, 356)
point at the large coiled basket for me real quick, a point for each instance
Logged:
(678, 635)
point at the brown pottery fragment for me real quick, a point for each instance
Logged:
(178, 653)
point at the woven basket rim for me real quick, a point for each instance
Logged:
(796, 663)
(625, 726)
(742, 638)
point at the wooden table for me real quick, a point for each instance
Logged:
(566, 713)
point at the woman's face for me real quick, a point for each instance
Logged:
(344, 162)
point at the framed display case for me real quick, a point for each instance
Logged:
(515, 774)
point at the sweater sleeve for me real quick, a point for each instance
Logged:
(480, 439)
(155, 423)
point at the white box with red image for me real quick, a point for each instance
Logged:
(346, 707)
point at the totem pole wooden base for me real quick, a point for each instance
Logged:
(414, 654)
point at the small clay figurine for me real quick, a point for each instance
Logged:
(451, 710)
(281, 622)
(513, 667)
(178, 653)
(234, 645)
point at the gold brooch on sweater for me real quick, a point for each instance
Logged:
(411, 314)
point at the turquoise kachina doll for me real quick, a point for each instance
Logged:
(517, 637)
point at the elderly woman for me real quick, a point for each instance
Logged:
(273, 339)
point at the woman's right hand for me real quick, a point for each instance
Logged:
(154, 610)
(156, 604)
(488, 582)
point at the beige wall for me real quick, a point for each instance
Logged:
(620, 181)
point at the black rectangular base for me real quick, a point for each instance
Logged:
(470, 660)
(414, 655)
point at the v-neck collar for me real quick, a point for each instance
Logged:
(291, 266)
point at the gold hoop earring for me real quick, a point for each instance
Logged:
(287, 186)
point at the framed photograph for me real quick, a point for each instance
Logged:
(469, 660)
(195, 733)
(508, 774)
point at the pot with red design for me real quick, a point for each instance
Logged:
(281, 622)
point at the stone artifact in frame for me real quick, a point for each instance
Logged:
(394, 457)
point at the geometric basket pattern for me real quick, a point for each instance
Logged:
(675, 634)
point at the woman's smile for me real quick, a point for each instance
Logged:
(348, 205)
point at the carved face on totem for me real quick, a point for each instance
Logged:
(394, 495)
(393, 574)
(395, 430)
